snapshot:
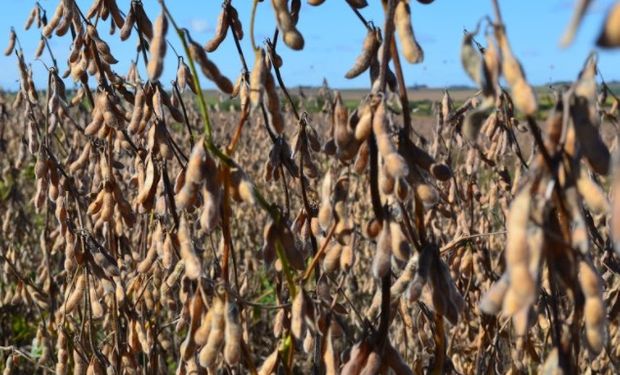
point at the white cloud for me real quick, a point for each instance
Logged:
(199, 25)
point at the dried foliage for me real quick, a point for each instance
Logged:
(144, 231)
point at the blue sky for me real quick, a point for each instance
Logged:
(334, 35)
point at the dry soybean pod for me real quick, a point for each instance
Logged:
(610, 34)
(191, 260)
(130, 20)
(11, 45)
(358, 4)
(157, 48)
(209, 352)
(236, 25)
(232, 335)
(291, 36)
(369, 49)
(257, 78)
(402, 20)
(220, 31)
(143, 21)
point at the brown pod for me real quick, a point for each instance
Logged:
(402, 20)
(243, 187)
(117, 17)
(220, 31)
(441, 171)
(358, 4)
(364, 124)
(210, 216)
(208, 353)
(523, 94)
(524, 97)
(417, 156)
(130, 20)
(343, 136)
(446, 106)
(380, 128)
(373, 228)
(273, 104)
(269, 365)
(79, 363)
(596, 323)
(138, 111)
(157, 48)
(107, 208)
(257, 79)
(96, 205)
(427, 194)
(609, 36)
(11, 45)
(188, 346)
(347, 258)
(143, 21)
(578, 14)
(145, 265)
(54, 21)
(383, 254)
(93, 127)
(589, 280)
(593, 195)
(150, 182)
(369, 49)
(516, 223)
(330, 147)
(232, 335)
(592, 145)
(471, 59)
(373, 363)
(236, 25)
(395, 165)
(74, 298)
(297, 314)
(211, 71)
(289, 245)
(196, 170)
(291, 36)
(357, 359)
(515, 301)
(394, 162)
(332, 257)
(173, 277)
(185, 78)
(491, 67)
(553, 127)
(171, 243)
(400, 245)
(191, 260)
(330, 357)
(325, 210)
(41, 167)
(179, 181)
(473, 123)
(361, 161)
(107, 263)
(34, 14)
(386, 181)
(511, 67)
(202, 333)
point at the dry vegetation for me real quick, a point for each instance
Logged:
(145, 231)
